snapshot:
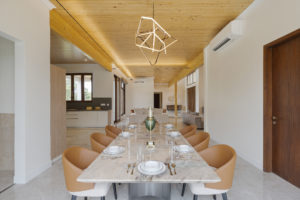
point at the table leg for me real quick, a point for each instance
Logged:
(139, 191)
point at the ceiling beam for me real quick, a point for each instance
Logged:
(72, 32)
(191, 66)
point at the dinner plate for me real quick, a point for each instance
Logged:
(151, 168)
(169, 125)
(173, 133)
(183, 148)
(125, 134)
(132, 126)
(113, 150)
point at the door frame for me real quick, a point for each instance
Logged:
(267, 102)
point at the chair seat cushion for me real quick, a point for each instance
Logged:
(100, 190)
(200, 189)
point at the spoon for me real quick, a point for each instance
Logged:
(174, 165)
(128, 168)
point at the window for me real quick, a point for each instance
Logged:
(191, 78)
(79, 87)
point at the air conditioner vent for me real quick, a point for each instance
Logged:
(222, 43)
(138, 81)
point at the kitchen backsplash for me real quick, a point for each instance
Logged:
(103, 103)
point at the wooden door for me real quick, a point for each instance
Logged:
(58, 111)
(286, 110)
(191, 99)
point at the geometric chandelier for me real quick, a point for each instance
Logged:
(152, 39)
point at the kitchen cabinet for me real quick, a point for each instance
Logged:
(86, 119)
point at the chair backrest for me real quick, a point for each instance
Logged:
(75, 160)
(188, 130)
(116, 131)
(99, 141)
(199, 140)
(223, 158)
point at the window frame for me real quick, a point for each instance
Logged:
(82, 87)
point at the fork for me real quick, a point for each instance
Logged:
(132, 168)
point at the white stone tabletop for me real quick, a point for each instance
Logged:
(190, 167)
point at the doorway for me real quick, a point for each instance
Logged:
(191, 97)
(282, 107)
(7, 113)
(157, 99)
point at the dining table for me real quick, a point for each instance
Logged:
(180, 167)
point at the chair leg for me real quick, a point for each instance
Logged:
(195, 197)
(85, 198)
(115, 191)
(224, 196)
(73, 197)
(215, 197)
(183, 189)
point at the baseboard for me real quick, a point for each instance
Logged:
(56, 159)
(254, 163)
(32, 174)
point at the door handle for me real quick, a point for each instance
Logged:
(274, 120)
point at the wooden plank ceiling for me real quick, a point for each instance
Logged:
(112, 24)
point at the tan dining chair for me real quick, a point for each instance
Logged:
(112, 131)
(188, 130)
(199, 140)
(75, 160)
(99, 141)
(221, 157)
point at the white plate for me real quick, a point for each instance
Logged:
(169, 125)
(173, 133)
(113, 150)
(183, 148)
(152, 166)
(125, 134)
(132, 126)
(161, 169)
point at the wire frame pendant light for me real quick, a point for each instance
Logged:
(152, 39)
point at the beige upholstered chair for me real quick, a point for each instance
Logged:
(222, 158)
(75, 160)
(188, 130)
(112, 131)
(99, 141)
(199, 140)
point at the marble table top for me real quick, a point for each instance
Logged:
(190, 167)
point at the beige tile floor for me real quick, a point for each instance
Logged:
(6, 179)
(249, 182)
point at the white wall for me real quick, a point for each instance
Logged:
(234, 86)
(201, 88)
(102, 79)
(139, 95)
(168, 93)
(7, 75)
(27, 23)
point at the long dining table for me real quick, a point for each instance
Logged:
(122, 168)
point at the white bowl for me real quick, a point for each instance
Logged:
(169, 125)
(151, 168)
(183, 148)
(113, 150)
(173, 133)
(132, 126)
(125, 134)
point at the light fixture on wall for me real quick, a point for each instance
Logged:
(152, 39)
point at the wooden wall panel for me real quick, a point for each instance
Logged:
(58, 111)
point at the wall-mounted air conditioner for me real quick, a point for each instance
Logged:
(227, 35)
